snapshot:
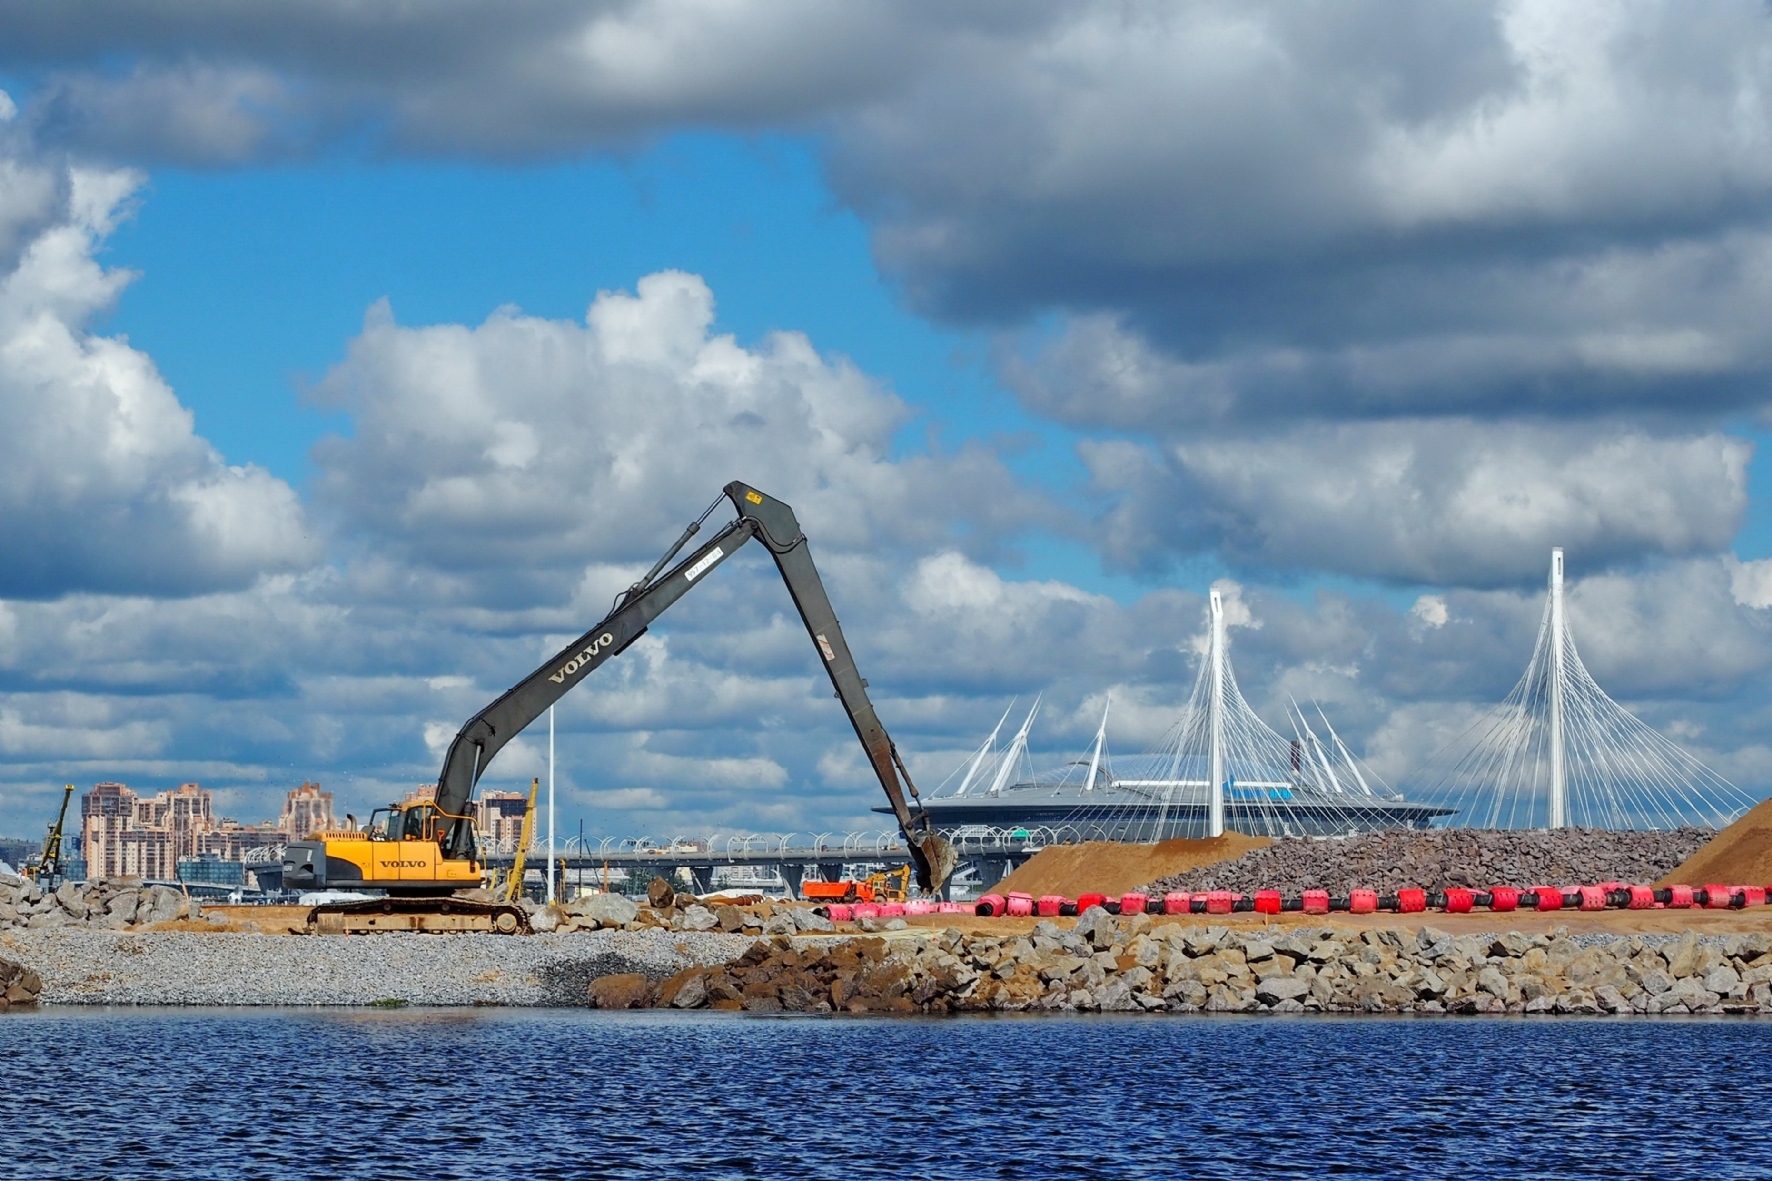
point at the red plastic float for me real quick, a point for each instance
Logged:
(1085, 901)
(1754, 895)
(1593, 898)
(1503, 898)
(992, 905)
(1549, 897)
(1411, 901)
(1680, 897)
(1459, 900)
(838, 912)
(1316, 902)
(1362, 901)
(1718, 897)
(1267, 902)
(1219, 901)
(1049, 904)
(1641, 897)
(1177, 902)
(1133, 903)
(1019, 905)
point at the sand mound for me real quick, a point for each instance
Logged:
(1740, 855)
(1105, 867)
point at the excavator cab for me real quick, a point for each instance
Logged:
(409, 822)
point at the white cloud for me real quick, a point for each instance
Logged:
(1450, 502)
(1430, 610)
(105, 484)
(1750, 582)
(555, 445)
(628, 799)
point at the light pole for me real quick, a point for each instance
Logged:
(550, 805)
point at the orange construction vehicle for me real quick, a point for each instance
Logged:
(879, 887)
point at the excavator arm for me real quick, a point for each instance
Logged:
(773, 523)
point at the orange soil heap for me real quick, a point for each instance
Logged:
(1740, 855)
(1106, 867)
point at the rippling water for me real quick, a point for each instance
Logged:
(512, 1093)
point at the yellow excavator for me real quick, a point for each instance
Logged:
(421, 855)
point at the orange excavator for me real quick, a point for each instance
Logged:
(420, 855)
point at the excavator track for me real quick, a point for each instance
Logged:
(417, 914)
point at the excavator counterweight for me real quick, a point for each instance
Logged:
(388, 856)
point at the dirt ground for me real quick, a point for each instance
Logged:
(1103, 867)
(1740, 855)
(273, 920)
(284, 919)
(1614, 922)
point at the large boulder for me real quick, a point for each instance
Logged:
(19, 985)
(608, 910)
(71, 898)
(120, 910)
(159, 904)
(1097, 926)
(624, 990)
(807, 919)
(698, 918)
(1282, 988)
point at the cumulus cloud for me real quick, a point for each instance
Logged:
(551, 445)
(1463, 503)
(106, 485)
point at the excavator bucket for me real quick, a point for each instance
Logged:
(935, 860)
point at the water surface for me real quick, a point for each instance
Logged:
(572, 1094)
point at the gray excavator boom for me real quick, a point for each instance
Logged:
(772, 522)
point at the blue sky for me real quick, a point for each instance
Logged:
(1052, 319)
(252, 280)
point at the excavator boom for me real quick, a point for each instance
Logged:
(773, 523)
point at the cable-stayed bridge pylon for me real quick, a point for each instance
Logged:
(1559, 752)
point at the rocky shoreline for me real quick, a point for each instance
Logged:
(1101, 964)
(1104, 965)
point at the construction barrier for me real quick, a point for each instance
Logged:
(1411, 900)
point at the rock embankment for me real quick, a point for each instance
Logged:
(105, 905)
(1104, 965)
(1395, 858)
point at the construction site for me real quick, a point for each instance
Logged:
(1559, 857)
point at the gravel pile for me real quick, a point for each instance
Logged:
(97, 967)
(1393, 858)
